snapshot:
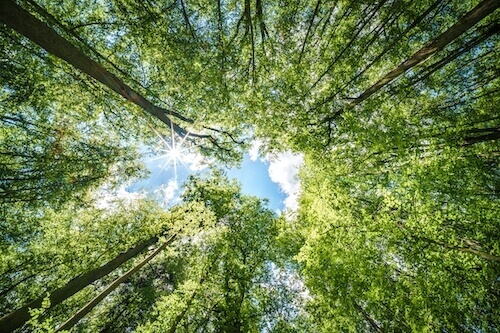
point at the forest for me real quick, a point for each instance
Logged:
(393, 105)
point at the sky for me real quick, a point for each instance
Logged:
(272, 178)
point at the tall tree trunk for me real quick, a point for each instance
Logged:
(392, 44)
(96, 300)
(348, 45)
(469, 20)
(369, 319)
(26, 24)
(489, 134)
(428, 71)
(17, 318)
(181, 315)
(311, 22)
(474, 16)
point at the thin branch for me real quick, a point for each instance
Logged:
(186, 18)
(311, 21)
(461, 26)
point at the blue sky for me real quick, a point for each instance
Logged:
(268, 177)
(252, 174)
(255, 180)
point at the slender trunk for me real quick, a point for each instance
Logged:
(348, 46)
(311, 22)
(367, 317)
(186, 18)
(13, 286)
(491, 135)
(96, 300)
(325, 24)
(26, 24)
(236, 322)
(260, 18)
(394, 42)
(474, 16)
(249, 28)
(17, 318)
(493, 30)
(469, 20)
(181, 315)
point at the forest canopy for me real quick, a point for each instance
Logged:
(393, 105)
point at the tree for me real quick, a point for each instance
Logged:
(346, 58)
(54, 147)
(394, 105)
(68, 324)
(25, 23)
(16, 319)
(473, 17)
(407, 238)
(231, 289)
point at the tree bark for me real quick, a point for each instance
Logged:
(311, 22)
(29, 26)
(369, 319)
(394, 42)
(474, 16)
(96, 300)
(491, 31)
(491, 135)
(348, 46)
(17, 318)
(469, 20)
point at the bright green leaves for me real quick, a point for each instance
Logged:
(232, 271)
(70, 241)
(57, 141)
(406, 246)
(398, 222)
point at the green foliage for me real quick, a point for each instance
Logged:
(228, 282)
(398, 223)
(410, 247)
(47, 326)
(69, 242)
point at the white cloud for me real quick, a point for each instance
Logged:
(195, 161)
(168, 193)
(253, 152)
(283, 170)
(107, 199)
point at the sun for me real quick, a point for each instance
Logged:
(174, 152)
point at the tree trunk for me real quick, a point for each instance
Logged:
(181, 315)
(491, 31)
(491, 135)
(89, 306)
(474, 16)
(17, 318)
(395, 41)
(469, 20)
(348, 46)
(369, 319)
(26, 24)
